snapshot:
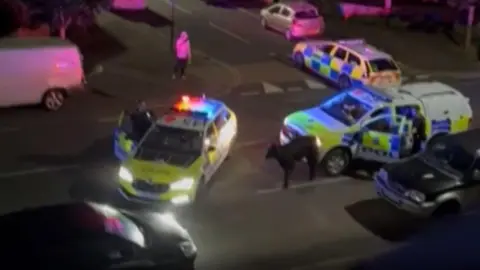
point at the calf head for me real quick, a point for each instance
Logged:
(272, 151)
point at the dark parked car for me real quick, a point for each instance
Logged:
(93, 236)
(444, 179)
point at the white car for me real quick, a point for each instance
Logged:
(296, 19)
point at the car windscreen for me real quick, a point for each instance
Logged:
(345, 108)
(306, 14)
(385, 64)
(171, 139)
(449, 156)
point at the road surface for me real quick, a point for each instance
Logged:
(248, 221)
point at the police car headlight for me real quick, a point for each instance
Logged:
(125, 174)
(188, 248)
(415, 195)
(318, 142)
(184, 184)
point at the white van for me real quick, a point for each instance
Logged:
(39, 70)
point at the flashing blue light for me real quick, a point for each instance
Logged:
(198, 108)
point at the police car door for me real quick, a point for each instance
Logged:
(382, 138)
(226, 132)
(210, 150)
(320, 60)
(123, 145)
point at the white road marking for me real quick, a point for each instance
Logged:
(253, 93)
(176, 6)
(422, 76)
(295, 89)
(271, 89)
(316, 182)
(227, 32)
(8, 129)
(315, 85)
(37, 171)
(327, 263)
(250, 14)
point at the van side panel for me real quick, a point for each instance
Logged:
(26, 74)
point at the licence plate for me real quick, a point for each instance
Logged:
(148, 195)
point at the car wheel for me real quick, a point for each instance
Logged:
(288, 35)
(201, 191)
(265, 23)
(447, 209)
(434, 140)
(299, 60)
(336, 162)
(53, 99)
(344, 82)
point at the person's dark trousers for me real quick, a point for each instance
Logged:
(180, 67)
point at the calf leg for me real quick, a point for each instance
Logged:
(312, 168)
(287, 172)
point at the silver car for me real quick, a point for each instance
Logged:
(295, 19)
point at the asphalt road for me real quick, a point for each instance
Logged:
(248, 222)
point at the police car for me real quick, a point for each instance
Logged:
(363, 123)
(179, 154)
(348, 63)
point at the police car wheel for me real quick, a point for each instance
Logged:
(336, 162)
(298, 60)
(53, 99)
(264, 23)
(200, 193)
(344, 82)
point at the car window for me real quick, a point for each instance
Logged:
(306, 14)
(354, 60)
(379, 65)
(326, 48)
(210, 131)
(285, 12)
(409, 111)
(275, 9)
(340, 53)
(222, 119)
(381, 111)
(384, 125)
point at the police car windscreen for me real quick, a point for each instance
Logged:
(345, 108)
(174, 146)
(379, 65)
(449, 156)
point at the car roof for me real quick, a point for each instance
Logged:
(299, 5)
(49, 222)
(361, 47)
(33, 42)
(468, 140)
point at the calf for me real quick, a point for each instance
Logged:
(303, 147)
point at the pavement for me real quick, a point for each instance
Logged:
(247, 221)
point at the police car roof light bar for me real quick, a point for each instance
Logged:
(352, 41)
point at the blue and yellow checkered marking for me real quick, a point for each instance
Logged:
(441, 125)
(323, 64)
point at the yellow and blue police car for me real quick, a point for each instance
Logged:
(363, 123)
(348, 63)
(178, 154)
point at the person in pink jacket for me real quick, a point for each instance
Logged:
(183, 55)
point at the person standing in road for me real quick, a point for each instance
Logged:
(142, 120)
(183, 55)
(418, 132)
